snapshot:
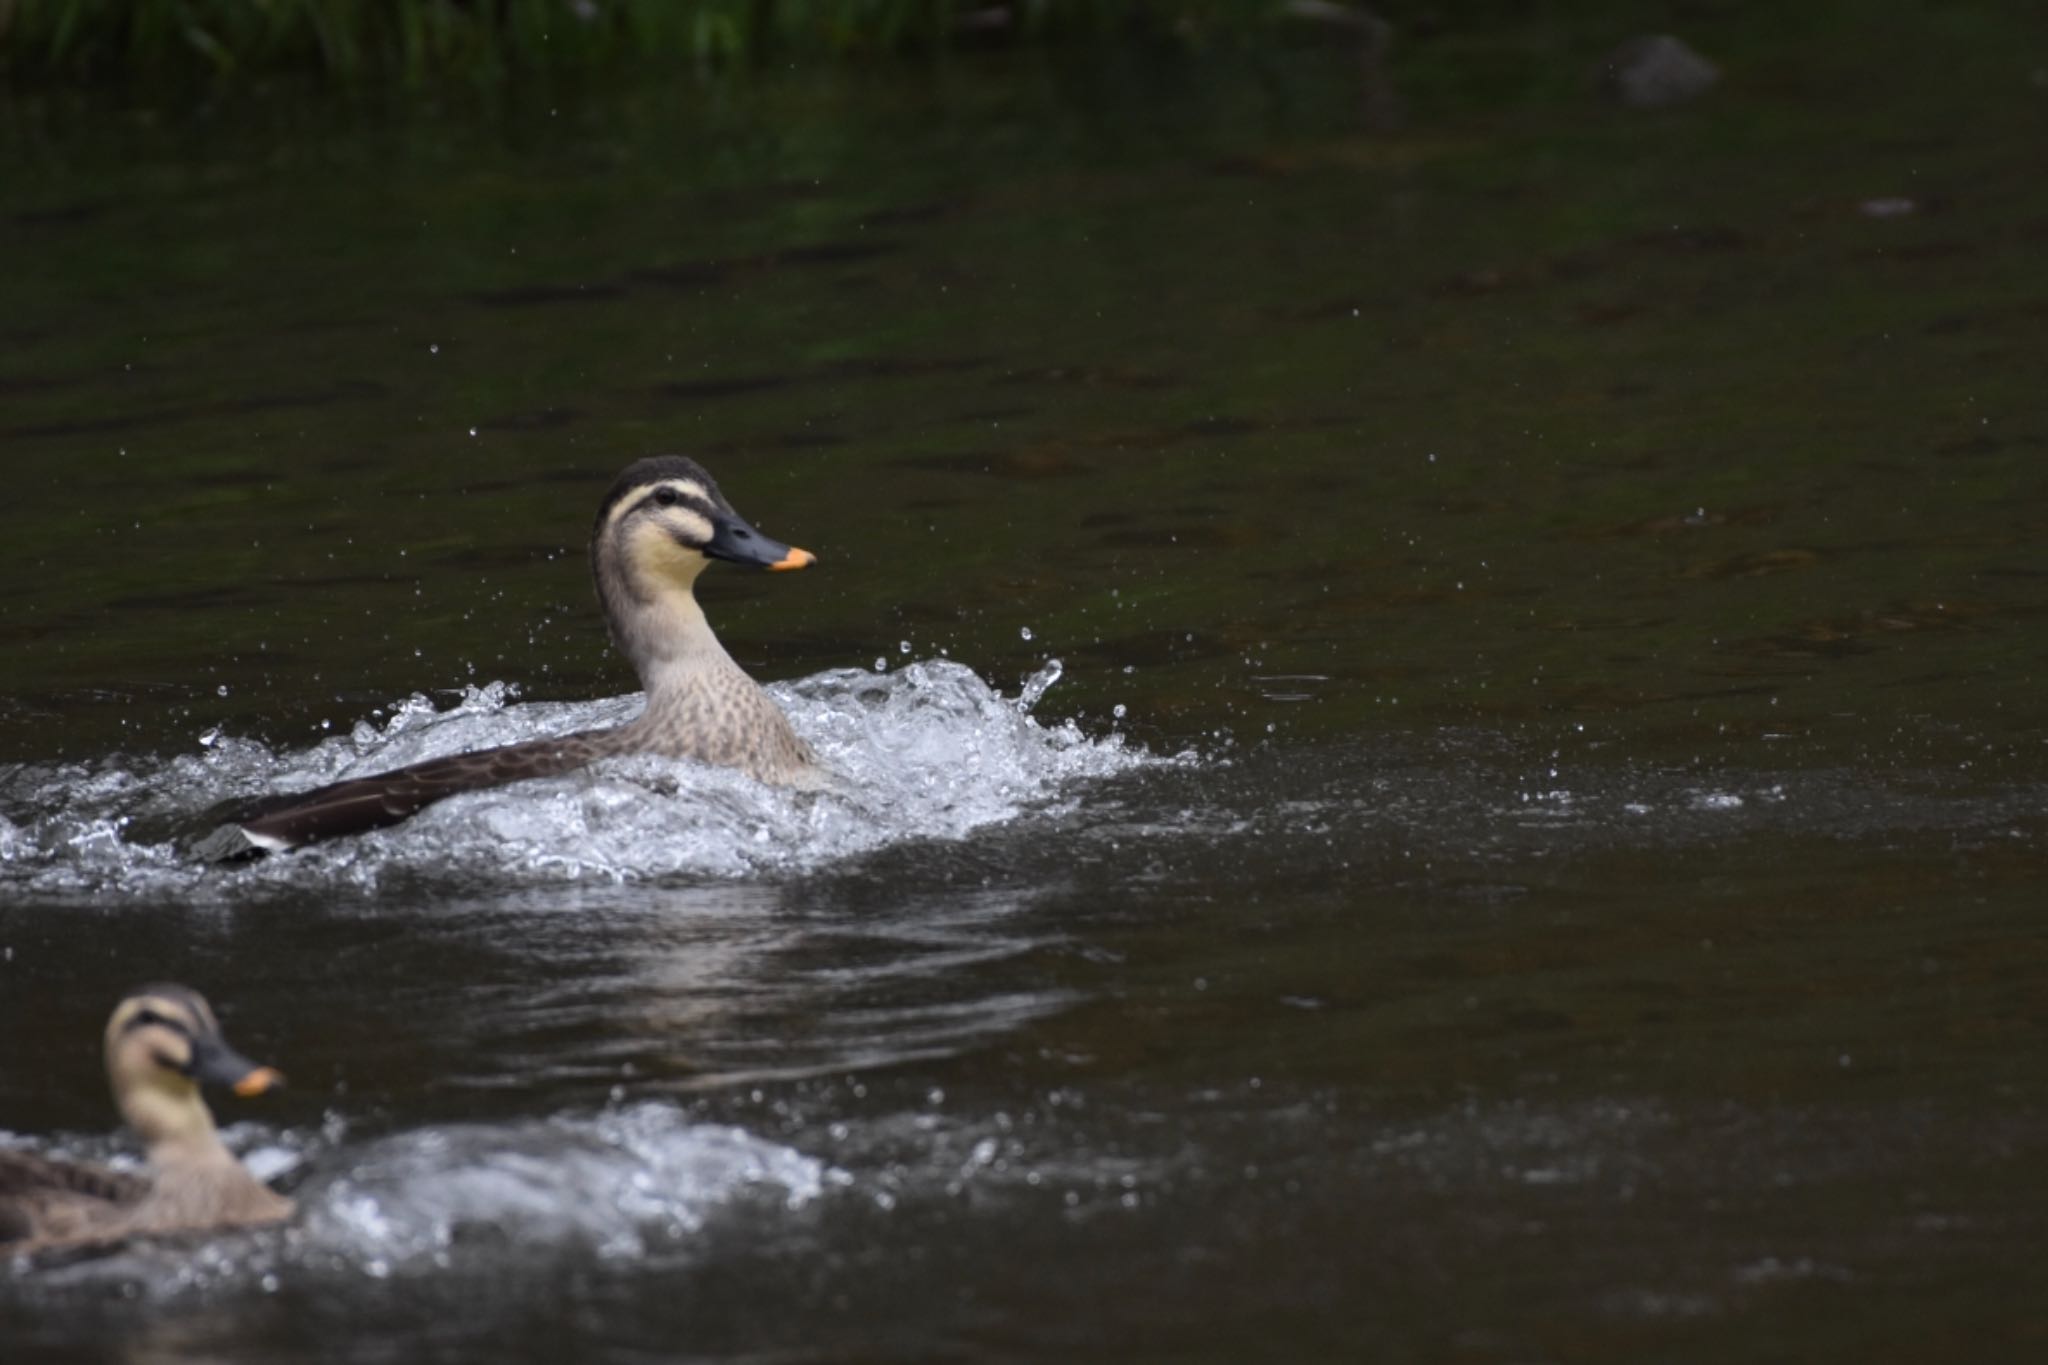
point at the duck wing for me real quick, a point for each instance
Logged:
(46, 1200)
(276, 823)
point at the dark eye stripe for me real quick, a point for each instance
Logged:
(676, 498)
(146, 1016)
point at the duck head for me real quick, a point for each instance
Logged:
(162, 1044)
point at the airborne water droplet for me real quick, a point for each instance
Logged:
(1039, 683)
(1025, 633)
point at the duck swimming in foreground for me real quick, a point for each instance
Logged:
(662, 522)
(161, 1042)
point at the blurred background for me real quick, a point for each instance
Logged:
(1531, 848)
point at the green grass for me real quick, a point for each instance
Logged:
(413, 41)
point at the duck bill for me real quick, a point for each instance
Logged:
(261, 1081)
(736, 542)
(215, 1063)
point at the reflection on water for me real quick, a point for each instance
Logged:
(1200, 1020)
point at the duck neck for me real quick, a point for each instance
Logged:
(660, 627)
(656, 621)
(690, 657)
(176, 1129)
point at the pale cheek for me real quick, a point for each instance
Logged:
(657, 554)
(689, 525)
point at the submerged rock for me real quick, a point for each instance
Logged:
(1655, 71)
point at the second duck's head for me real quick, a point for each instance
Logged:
(662, 522)
(162, 1043)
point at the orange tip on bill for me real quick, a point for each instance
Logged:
(256, 1082)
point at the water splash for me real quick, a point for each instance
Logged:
(1039, 683)
(621, 1184)
(928, 751)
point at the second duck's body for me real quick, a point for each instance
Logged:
(661, 524)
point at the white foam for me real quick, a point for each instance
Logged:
(619, 1184)
(622, 1183)
(928, 751)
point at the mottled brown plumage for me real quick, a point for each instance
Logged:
(161, 1042)
(661, 523)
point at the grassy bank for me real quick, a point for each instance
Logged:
(419, 40)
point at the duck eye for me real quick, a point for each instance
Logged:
(667, 497)
(146, 1017)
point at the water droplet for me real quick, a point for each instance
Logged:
(434, 349)
(472, 431)
(209, 738)
(1039, 683)
(903, 646)
(881, 664)
(1118, 710)
(221, 691)
(1025, 633)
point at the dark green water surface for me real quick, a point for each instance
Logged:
(1595, 560)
